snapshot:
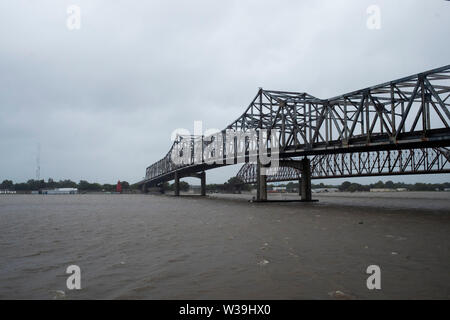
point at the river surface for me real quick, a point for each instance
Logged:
(224, 247)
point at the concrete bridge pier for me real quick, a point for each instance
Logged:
(261, 182)
(176, 184)
(203, 183)
(300, 186)
(305, 181)
(201, 176)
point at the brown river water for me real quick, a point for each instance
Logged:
(224, 247)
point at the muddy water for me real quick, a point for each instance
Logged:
(158, 247)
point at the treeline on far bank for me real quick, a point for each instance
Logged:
(233, 185)
(33, 185)
(348, 186)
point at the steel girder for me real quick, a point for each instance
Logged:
(412, 112)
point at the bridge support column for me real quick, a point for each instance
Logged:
(305, 181)
(203, 183)
(177, 184)
(261, 181)
(300, 187)
(144, 188)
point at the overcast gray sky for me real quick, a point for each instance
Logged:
(103, 100)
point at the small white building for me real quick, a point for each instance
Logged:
(61, 191)
(279, 189)
(7, 192)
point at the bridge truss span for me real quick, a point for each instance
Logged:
(360, 164)
(353, 134)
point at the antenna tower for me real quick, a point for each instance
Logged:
(38, 163)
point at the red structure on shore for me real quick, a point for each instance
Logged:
(119, 187)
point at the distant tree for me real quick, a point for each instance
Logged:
(379, 184)
(36, 184)
(389, 184)
(184, 186)
(51, 184)
(125, 185)
(83, 185)
(135, 186)
(22, 187)
(235, 184)
(109, 187)
(165, 186)
(354, 187)
(344, 186)
(7, 184)
(96, 187)
(67, 184)
(86, 186)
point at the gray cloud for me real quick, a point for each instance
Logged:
(103, 100)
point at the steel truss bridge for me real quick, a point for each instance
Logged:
(398, 127)
(360, 164)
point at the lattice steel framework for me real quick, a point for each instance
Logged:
(361, 164)
(412, 112)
